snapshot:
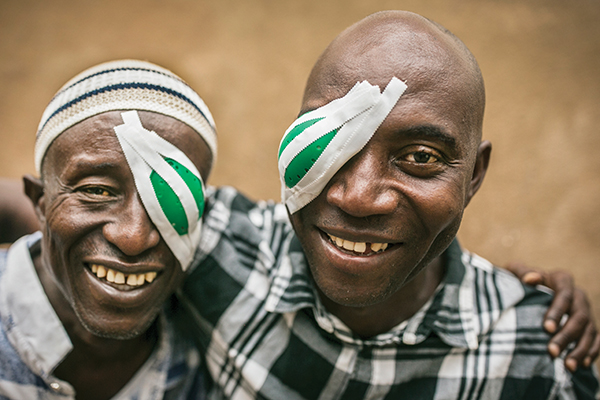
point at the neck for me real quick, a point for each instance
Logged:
(371, 320)
(96, 367)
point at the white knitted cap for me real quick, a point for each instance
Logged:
(123, 85)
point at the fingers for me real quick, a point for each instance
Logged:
(564, 302)
(525, 274)
(533, 278)
(579, 354)
(578, 328)
(593, 352)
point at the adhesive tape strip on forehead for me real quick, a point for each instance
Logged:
(321, 141)
(168, 183)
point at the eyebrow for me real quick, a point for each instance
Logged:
(82, 167)
(429, 132)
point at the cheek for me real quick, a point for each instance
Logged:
(441, 204)
(57, 227)
(55, 261)
(64, 228)
(176, 281)
(441, 213)
(298, 222)
(67, 220)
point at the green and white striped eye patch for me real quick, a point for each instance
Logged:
(321, 141)
(168, 183)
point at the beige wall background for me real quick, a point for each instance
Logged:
(249, 60)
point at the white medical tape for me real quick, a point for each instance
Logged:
(338, 111)
(145, 153)
(356, 116)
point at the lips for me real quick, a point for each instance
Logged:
(359, 248)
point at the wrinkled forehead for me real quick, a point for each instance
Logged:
(97, 134)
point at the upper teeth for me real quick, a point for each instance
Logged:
(118, 277)
(357, 247)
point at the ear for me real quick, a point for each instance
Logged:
(481, 166)
(34, 189)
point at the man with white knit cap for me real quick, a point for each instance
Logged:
(86, 305)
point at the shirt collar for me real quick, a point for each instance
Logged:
(171, 361)
(454, 313)
(29, 320)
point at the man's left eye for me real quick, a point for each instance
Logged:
(421, 157)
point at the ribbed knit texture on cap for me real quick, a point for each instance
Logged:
(123, 85)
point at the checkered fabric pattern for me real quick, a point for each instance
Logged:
(266, 335)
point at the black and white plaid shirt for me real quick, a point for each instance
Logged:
(266, 335)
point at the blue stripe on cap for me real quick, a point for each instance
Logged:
(122, 86)
(108, 71)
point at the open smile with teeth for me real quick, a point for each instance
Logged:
(120, 278)
(358, 247)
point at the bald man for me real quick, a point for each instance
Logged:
(355, 287)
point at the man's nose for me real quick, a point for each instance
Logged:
(361, 188)
(131, 229)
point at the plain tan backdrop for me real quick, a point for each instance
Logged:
(249, 60)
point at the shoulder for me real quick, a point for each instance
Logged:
(497, 291)
(241, 242)
(239, 229)
(506, 303)
(12, 369)
(531, 351)
(515, 340)
(16, 378)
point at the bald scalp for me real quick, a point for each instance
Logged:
(408, 46)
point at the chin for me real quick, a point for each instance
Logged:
(117, 333)
(356, 302)
(350, 295)
(116, 328)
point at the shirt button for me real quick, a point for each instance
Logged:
(55, 386)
